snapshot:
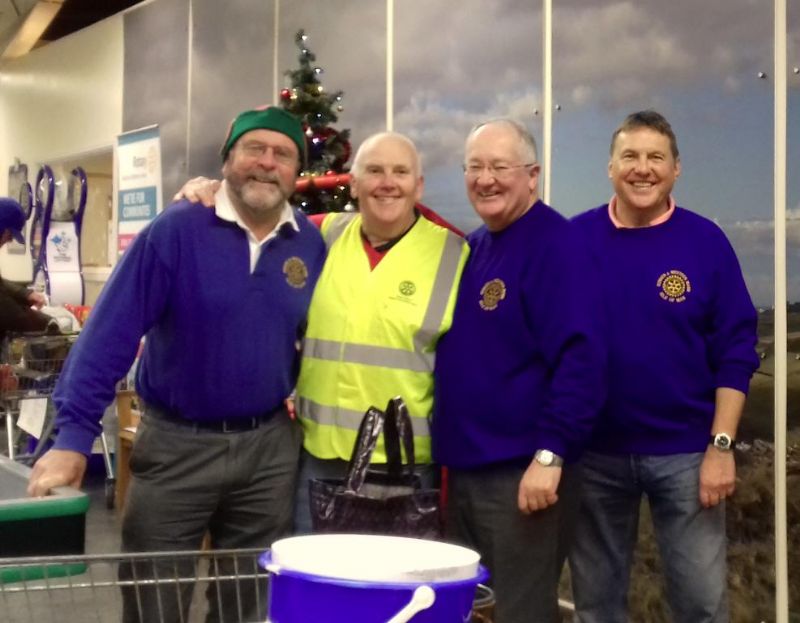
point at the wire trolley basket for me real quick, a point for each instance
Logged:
(30, 365)
(160, 587)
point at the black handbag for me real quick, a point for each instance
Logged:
(369, 501)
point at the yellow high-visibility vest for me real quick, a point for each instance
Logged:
(372, 334)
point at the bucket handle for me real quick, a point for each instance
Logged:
(422, 599)
(268, 565)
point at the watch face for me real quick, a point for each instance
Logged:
(722, 441)
(544, 457)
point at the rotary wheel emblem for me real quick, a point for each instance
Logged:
(296, 272)
(492, 293)
(674, 286)
(407, 288)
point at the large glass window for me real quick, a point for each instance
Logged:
(349, 42)
(455, 66)
(232, 52)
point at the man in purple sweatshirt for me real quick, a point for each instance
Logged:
(519, 378)
(681, 332)
(221, 296)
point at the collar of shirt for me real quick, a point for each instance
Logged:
(376, 253)
(225, 210)
(612, 214)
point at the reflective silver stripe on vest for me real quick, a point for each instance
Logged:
(348, 418)
(442, 288)
(339, 223)
(367, 354)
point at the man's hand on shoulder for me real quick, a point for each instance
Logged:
(199, 190)
(57, 468)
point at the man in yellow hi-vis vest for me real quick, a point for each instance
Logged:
(385, 297)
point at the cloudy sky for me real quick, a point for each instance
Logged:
(697, 62)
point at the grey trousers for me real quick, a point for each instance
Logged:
(239, 487)
(523, 553)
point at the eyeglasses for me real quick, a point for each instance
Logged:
(258, 150)
(497, 171)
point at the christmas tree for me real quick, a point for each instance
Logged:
(323, 183)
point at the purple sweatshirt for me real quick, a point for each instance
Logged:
(220, 339)
(680, 323)
(522, 367)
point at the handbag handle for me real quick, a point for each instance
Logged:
(395, 424)
(397, 428)
(369, 431)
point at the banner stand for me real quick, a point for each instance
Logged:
(55, 242)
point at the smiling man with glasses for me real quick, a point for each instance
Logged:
(221, 296)
(518, 378)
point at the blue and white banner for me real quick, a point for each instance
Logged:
(138, 163)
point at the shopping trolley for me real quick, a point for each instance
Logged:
(27, 595)
(30, 364)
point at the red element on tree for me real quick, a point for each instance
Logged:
(286, 94)
(323, 182)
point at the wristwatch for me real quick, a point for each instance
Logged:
(548, 458)
(722, 441)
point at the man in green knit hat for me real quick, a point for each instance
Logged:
(221, 296)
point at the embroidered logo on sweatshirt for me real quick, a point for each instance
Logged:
(492, 293)
(674, 286)
(296, 272)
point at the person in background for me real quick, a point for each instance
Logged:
(681, 332)
(17, 303)
(221, 296)
(383, 301)
(519, 378)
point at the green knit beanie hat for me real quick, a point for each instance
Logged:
(266, 118)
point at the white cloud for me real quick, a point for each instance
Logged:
(439, 132)
(754, 244)
(594, 42)
(629, 50)
(581, 94)
(620, 54)
(759, 236)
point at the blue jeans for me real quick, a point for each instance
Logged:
(691, 539)
(335, 469)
